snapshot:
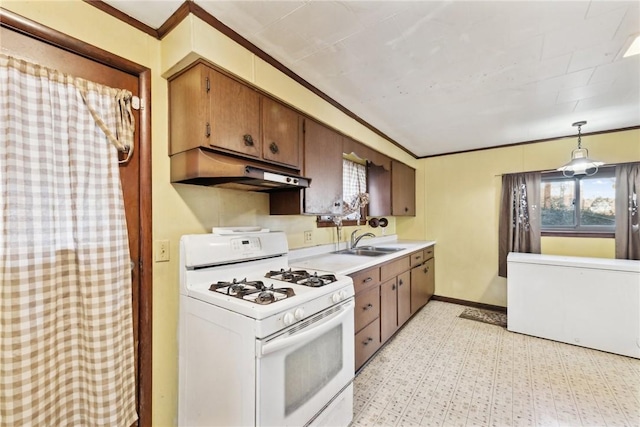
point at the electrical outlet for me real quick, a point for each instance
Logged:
(308, 236)
(162, 251)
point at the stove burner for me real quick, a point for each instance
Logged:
(253, 291)
(302, 277)
(265, 297)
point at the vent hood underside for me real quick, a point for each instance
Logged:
(201, 167)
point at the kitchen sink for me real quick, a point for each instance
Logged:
(367, 251)
(380, 249)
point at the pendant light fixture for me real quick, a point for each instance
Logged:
(580, 163)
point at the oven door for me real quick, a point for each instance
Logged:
(303, 368)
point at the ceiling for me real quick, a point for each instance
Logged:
(447, 76)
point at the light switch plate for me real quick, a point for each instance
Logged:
(162, 252)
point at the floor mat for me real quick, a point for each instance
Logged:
(485, 316)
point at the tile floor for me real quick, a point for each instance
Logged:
(441, 370)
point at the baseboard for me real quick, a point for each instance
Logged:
(470, 303)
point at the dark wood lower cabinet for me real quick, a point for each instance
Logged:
(386, 298)
(367, 342)
(422, 284)
(388, 309)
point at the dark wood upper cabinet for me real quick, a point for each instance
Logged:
(323, 164)
(281, 133)
(208, 108)
(403, 189)
(379, 188)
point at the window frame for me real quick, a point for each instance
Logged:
(578, 230)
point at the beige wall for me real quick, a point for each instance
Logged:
(462, 199)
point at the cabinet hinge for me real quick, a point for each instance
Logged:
(208, 84)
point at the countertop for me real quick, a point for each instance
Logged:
(321, 258)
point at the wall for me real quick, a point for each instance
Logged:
(462, 200)
(182, 209)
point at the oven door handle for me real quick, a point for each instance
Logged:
(309, 333)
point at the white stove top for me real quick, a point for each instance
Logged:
(208, 259)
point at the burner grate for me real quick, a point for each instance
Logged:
(253, 291)
(301, 277)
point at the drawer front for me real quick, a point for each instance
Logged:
(367, 307)
(366, 279)
(394, 268)
(429, 252)
(367, 342)
(417, 258)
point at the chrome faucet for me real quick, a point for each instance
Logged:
(355, 240)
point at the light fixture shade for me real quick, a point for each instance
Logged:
(580, 164)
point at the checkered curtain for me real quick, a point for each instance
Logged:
(67, 348)
(354, 187)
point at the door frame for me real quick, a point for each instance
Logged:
(53, 37)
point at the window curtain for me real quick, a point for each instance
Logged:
(627, 216)
(67, 347)
(354, 187)
(519, 229)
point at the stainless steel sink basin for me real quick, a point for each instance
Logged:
(360, 251)
(380, 249)
(368, 251)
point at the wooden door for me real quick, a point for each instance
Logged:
(33, 42)
(280, 133)
(379, 188)
(322, 162)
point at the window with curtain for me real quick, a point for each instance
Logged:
(354, 189)
(66, 347)
(519, 229)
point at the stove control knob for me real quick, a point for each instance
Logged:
(336, 298)
(343, 294)
(299, 313)
(288, 319)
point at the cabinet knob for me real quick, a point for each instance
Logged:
(367, 341)
(248, 140)
(393, 287)
(426, 270)
(274, 148)
(207, 130)
(367, 280)
(406, 209)
(400, 283)
(367, 307)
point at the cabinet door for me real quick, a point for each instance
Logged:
(323, 164)
(189, 110)
(379, 188)
(403, 189)
(281, 133)
(388, 309)
(404, 298)
(235, 116)
(420, 287)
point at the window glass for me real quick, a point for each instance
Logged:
(598, 201)
(578, 204)
(558, 203)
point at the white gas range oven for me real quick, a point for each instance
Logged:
(259, 343)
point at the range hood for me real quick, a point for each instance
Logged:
(201, 167)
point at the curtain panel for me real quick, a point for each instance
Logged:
(66, 325)
(627, 215)
(519, 229)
